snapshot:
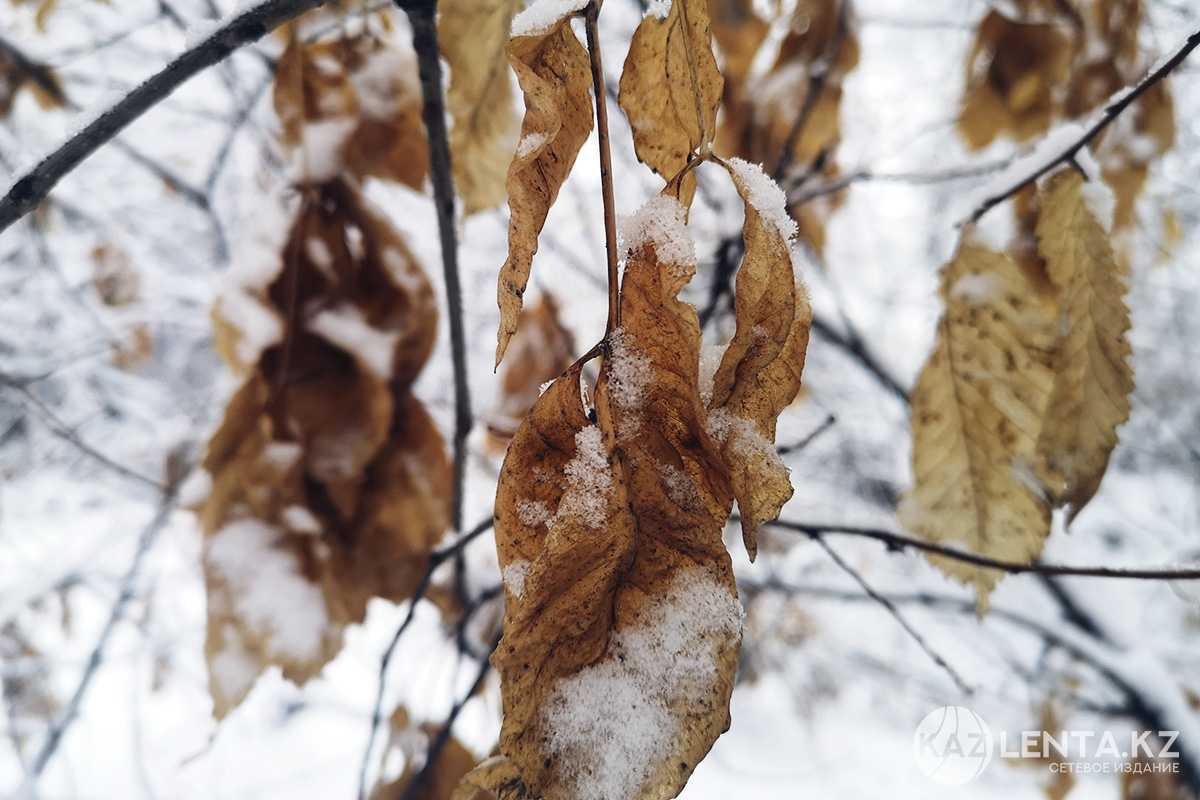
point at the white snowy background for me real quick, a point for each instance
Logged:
(832, 687)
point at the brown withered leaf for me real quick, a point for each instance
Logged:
(1092, 374)
(493, 778)
(977, 411)
(1014, 74)
(738, 31)
(622, 623)
(759, 373)
(670, 89)
(113, 275)
(473, 36)
(541, 349)
(330, 481)
(352, 104)
(554, 73)
(18, 72)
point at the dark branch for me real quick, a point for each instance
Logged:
(1111, 112)
(249, 26)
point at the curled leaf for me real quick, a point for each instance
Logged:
(554, 73)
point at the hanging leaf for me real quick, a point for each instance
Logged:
(554, 73)
(1092, 374)
(329, 479)
(759, 373)
(473, 35)
(977, 411)
(670, 89)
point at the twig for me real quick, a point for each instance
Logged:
(422, 16)
(1111, 112)
(591, 16)
(71, 712)
(248, 26)
(802, 196)
(897, 541)
(825, 425)
(436, 559)
(890, 607)
(853, 345)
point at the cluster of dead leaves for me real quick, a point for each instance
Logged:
(788, 117)
(1059, 61)
(610, 511)
(330, 481)
(1015, 413)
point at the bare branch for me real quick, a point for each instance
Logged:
(1111, 112)
(248, 26)
(591, 16)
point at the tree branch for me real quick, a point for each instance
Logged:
(422, 15)
(591, 17)
(897, 541)
(248, 26)
(1111, 112)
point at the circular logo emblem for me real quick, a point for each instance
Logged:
(952, 745)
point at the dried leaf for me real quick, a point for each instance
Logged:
(1092, 374)
(330, 481)
(541, 349)
(977, 411)
(352, 104)
(670, 89)
(113, 275)
(473, 35)
(759, 373)
(622, 624)
(554, 73)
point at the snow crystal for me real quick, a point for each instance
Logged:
(530, 142)
(514, 577)
(658, 8)
(299, 519)
(629, 372)
(533, 513)
(660, 222)
(540, 15)
(267, 588)
(258, 325)
(765, 195)
(616, 718)
(977, 288)
(589, 483)
(710, 362)
(319, 156)
(345, 327)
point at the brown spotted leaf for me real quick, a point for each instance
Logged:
(622, 623)
(554, 73)
(759, 372)
(473, 36)
(670, 89)
(977, 411)
(1092, 374)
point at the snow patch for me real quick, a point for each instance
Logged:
(541, 15)
(345, 327)
(658, 8)
(660, 222)
(514, 577)
(267, 589)
(710, 362)
(765, 196)
(629, 372)
(977, 288)
(533, 513)
(589, 483)
(1100, 201)
(319, 156)
(299, 519)
(258, 325)
(530, 142)
(616, 718)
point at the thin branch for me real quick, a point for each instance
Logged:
(825, 425)
(436, 559)
(853, 345)
(1111, 112)
(801, 196)
(591, 16)
(422, 16)
(248, 26)
(145, 542)
(897, 541)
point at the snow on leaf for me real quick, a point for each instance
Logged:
(977, 410)
(473, 36)
(554, 73)
(1092, 374)
(670, 90)
(759, 372)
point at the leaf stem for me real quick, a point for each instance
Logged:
(590, 16)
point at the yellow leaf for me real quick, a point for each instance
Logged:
(555, 75)
(473, 35)
(670, 89)
(1092, 374)
(977, 411)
